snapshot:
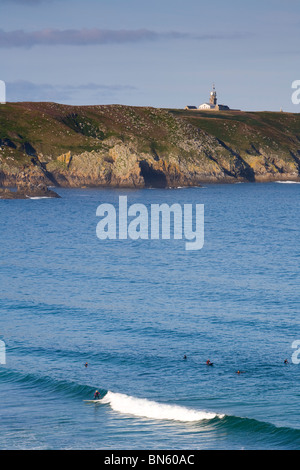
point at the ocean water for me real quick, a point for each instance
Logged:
(133, 309)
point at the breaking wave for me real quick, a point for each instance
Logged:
(288, 182)
(259, 431)
(151, 409)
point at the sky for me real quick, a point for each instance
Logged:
(163, 53)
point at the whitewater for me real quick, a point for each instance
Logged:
(153, 410)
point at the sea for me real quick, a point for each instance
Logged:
(138, 319)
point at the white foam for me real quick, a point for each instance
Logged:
(288, 182)
(39, 197)
(153, 410)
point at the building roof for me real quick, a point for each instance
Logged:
(207, 104)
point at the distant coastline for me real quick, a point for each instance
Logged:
(136, 147)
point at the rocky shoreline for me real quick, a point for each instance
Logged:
(130, 147)
(28, 192)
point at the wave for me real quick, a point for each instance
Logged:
(288, 182)
(119, 402)
(50, 385)
(260, 432)
(38, 197)
(256, 431)
(144, 408)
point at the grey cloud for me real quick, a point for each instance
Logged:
(25, 2)
(85, 37)
(73, 37)
(23, 90)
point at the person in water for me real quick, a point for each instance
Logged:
(96, 395)
(86, 364)
(286, 361)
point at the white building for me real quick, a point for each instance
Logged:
(206, 106)
(212, 105)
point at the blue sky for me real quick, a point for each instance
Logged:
(163, 53)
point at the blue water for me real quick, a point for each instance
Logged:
(132, 309)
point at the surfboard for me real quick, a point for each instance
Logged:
(92, 401)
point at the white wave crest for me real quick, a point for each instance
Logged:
(38, 197)
(153, 410)
(288, 182)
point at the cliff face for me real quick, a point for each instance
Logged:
(122, 146)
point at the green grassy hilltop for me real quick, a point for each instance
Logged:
(142, 146)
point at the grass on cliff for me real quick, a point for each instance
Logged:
(247, 131)
(52, 129)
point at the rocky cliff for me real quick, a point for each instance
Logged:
(123, 146)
